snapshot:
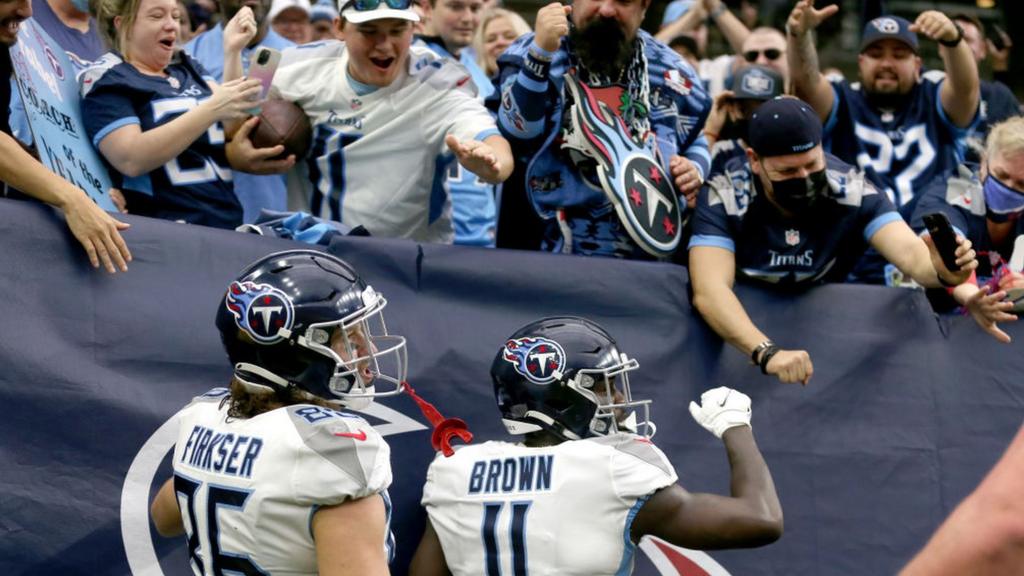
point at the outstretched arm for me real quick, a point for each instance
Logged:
(712, 273)
(97, 231)
(751, 516)
(429, 557)
(808, 82)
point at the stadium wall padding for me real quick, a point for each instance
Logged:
(904, 415)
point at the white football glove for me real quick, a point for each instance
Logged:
(720, 409)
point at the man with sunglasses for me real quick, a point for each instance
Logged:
(791, 216)
(649, 99)
(898, 126)
(387, 120)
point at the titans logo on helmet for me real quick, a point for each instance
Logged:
(537, 359)
(260, 310)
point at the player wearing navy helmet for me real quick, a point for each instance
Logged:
(272, 475)
(587, 467)
(900, 128)
(790, 215)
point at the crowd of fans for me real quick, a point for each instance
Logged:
(451, 121)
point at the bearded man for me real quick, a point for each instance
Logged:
(607, 122)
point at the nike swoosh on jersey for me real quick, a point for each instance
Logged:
(361, 435)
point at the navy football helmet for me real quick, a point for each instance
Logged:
(566, 375)
(305, 319)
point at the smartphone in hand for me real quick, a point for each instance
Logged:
(262, 65)
(944, 238)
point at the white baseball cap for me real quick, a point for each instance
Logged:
(359, 11)
(278, 6)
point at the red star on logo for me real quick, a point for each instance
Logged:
(655, 175)
(670, 227)
(634, 195)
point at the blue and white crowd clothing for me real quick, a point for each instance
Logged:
(474, 210)
(797, 252)
(962, 199)
(254, 192)
(196, 187)
(997, 104)
(901, 151)
(379, 159)
(530, 116)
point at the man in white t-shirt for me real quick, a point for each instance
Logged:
(387, 120)
(587, 483)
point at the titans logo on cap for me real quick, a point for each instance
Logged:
(260, 310)
(537, 359)
(886, 25)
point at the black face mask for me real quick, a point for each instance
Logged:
(800, 195)
(734, 130)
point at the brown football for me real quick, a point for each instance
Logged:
(283, 122)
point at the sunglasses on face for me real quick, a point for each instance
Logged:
(771, 54)
(367, 5)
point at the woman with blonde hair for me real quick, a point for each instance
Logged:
(498, 29)
(155, 114)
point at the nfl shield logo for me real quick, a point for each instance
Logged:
(792, 237)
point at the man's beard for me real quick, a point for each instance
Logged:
(602, 47)
(887, 100)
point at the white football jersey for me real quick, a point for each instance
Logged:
(501, 508)
(379, 159)
(248, 487)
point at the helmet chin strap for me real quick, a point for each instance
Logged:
(244, 372)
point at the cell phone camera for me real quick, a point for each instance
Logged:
(264, 55)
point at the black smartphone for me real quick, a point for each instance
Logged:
(944, 238)
(996, 36)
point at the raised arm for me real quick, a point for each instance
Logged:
(522, 119)
(712, 274)
(733, 30)
(350, 538)
(808, 82)
(960, 92)
(750, 516)
(688, 22)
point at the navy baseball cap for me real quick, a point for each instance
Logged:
(888, 28)
(756, 83)
(783, 125)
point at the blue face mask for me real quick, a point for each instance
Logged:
(81, 5)
(1002, 203)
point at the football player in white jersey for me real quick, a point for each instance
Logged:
(270, 476)
(387, 121)
(587, 468)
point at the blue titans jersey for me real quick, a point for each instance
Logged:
(901, 151)
(530, 117)
(254, 192)
(474, 211)
(196, 186)
(961, 199)
(790, 252)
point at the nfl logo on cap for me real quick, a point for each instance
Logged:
(757, 82)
